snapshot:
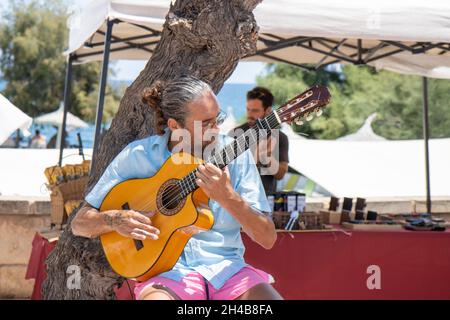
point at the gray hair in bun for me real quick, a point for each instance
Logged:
(169, 99)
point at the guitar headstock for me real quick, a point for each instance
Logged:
(305, 105)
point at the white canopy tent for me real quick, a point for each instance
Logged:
(405, 36)
(11, 119)
(410, 36)
(372, 168)
(365, 133)
(56, 118)
(22, 170)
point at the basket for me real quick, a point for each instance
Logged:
(63, 192)
(281, 218)
(310, 221)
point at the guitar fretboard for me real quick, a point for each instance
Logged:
(227, 154)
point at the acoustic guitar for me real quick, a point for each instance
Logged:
(181, 207)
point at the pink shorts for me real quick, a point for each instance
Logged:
(193, 286)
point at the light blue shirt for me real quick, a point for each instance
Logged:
(216, 254)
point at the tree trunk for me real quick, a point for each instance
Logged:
(204, 38)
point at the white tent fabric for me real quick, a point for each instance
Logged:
(289, 132)
(22, 170)
(431, 66)
(373, 168)
(345, 168)
(365, 133)
(55, 118)
(409, 21)
(11, 119)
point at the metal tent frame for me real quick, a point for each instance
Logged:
(331, 49)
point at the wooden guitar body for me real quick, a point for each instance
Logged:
(177, 221)
(181, 207)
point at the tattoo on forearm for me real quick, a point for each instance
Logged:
(115, 219)
(118, 218)
(108, 220)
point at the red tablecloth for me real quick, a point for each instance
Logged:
(41, 248)
(413, 264)
(333, 265)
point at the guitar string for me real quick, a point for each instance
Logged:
(189, 182)
(176, 191)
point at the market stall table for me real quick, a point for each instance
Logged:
(41, 248)
(334, 265)
(337, 265)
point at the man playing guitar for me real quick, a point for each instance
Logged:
(212, 264)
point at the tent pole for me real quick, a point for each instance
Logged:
(425, 138)
(17, 141)
(67, 89)
(102, 87)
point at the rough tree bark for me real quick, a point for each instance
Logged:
(204, 38)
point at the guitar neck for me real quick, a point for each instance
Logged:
(243, 142)
(222, 157)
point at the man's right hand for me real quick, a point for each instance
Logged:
(132, 224)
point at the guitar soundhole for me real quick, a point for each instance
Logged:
(169, 198)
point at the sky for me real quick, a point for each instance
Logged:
(245, 72)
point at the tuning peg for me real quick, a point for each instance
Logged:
(319, 112)
(298, 121)
(309, 116)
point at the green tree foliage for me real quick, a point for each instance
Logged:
(357, 92)
(33, 36)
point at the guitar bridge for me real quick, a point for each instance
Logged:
(137, 243)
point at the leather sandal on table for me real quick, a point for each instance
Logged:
(424, 224)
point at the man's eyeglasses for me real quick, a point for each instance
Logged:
(217, 121)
